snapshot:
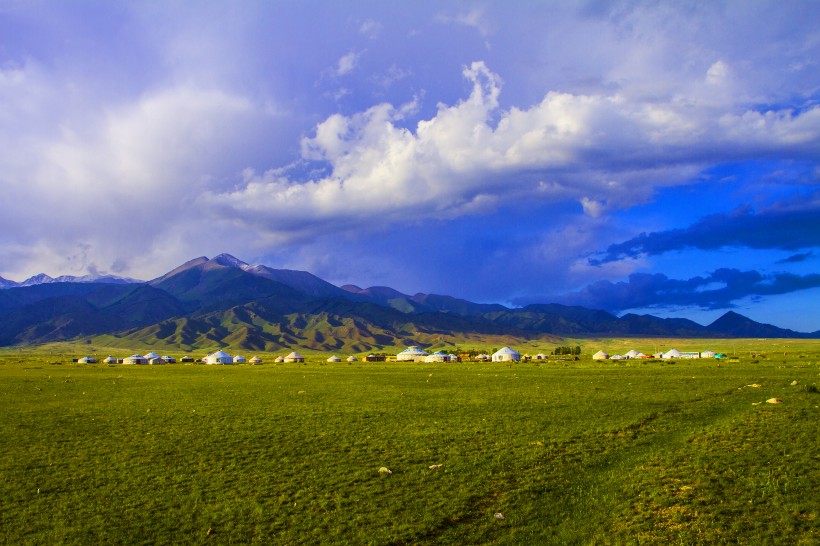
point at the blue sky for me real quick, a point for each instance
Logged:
(631, 156)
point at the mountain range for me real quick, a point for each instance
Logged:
(226, 302)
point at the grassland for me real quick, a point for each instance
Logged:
(567, 452)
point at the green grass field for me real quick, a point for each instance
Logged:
(568, 452)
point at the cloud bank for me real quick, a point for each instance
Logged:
(787, 226)
(719, 289)
(602, 151)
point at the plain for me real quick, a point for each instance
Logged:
(387, 453)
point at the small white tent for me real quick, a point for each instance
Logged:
(169, 359)
(294, 357)
(334, 358)
(135, 359)
(352, 358)
(256, 360)
(87, 360)
(219, 357)
(439, 356)
(600, 355)
(158, 360)
(239, 359)
(671, 353)
(110, 360)
(150, 355)
(505, 354)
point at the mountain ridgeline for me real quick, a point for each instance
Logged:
(225, 302)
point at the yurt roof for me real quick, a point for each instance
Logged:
(506, 351)
(352, 359)
(294, 354)
(151, 355)
(220, 354)
(413, 350)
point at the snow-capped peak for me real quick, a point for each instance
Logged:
(230, 261)
(112, 279)
(41, 278)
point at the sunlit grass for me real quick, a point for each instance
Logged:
(566, 452)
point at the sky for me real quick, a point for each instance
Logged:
(648, 157)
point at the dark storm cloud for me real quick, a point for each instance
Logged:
(797, 258)
(779, 227)
(717, 290)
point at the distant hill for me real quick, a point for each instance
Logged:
(226, 302)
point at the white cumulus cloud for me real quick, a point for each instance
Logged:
(592, 148)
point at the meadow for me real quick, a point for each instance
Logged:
(383, 453)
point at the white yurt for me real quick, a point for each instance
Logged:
(453, 358)
(540, 356)
(279, 359)
(411, 354)
(219, 357)
(150, 355)
(632, 354)
(439, 356)
(505, 354)
(135, 359)
(157, 361)
(334, 358)
(482, 357)
(87, 360)
(239, 359)
(187, 358)
(255, 360)
(600, 355)
(169, 359)
(352, 358)
(294, 357)
(618, 357)
(671, 353)
(707, 354)
(110, 360)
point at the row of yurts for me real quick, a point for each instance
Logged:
(668, 355)
(411, 354)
